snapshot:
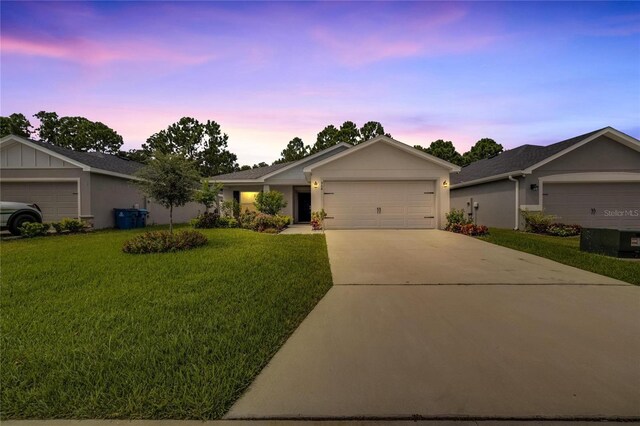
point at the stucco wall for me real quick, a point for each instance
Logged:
(496, 202)
(381, 161)
(110, 192)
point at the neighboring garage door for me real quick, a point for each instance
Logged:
(599, 205)
(379, 204)
(56, 199)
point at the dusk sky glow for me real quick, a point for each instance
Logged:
(268, 72)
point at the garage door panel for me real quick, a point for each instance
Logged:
(57, 200)
(403, 204)
(599, 205)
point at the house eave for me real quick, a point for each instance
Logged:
(488, 179)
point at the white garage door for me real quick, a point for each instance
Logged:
(56, 199)
(598, 205)
(379, 204)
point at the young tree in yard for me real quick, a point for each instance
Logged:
(443, 149)
(484, 148)
(270, 202)
(15, 124)
(207, 195)
(77, 133)
(169, 180)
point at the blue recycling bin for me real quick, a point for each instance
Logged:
(141, 218)
(126, 218)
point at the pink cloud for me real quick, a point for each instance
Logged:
(95, 53)
(439, 32)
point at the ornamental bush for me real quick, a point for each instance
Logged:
(456, 217)
(206, 220)
(536, 222)
(262, 222)
(469, 229)
(270, 202)
(563, 230)
(317, 220)
(33, 229)
(164, 241)
(227, 222)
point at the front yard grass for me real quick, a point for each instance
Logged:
(566, 250)
(88, 331)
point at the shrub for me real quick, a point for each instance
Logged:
(563, 230)
(536, 222)
(247, 219)
(57, 226)
(164, 241)
(33, 229)
(469, 229)
(70, 225)
(231, 208)
(456, 217)
(206, 220)
(270, 202)
(263, 222)
(227, 222)
(317, 220)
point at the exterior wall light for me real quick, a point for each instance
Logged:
(316, 184)
(534, 187)
(445, 184)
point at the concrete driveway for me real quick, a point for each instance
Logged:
(521, 338)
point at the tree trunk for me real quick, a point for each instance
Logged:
(171, 219)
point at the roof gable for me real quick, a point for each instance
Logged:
(526, 158)
(260, 174)
(387, 141)
(95, 162)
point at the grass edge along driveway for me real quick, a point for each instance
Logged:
(90, 332)
(566, 250)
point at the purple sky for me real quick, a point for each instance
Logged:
(267, 72)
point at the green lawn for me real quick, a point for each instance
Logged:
(90, 332)
(566, 250)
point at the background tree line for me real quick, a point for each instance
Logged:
(206, 145)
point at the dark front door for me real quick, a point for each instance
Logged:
(304, 207)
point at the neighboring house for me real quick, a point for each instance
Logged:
(381, 183)
(592, 180)
(67, 183)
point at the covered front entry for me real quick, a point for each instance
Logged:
(379, 204)
(56, 199)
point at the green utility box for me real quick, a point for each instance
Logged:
(611, 242)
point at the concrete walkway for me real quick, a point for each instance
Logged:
(299, 228)
(501, 345)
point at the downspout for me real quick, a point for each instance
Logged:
(517, 222)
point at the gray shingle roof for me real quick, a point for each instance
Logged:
(514, 160)
(251, 173)
(108, 162)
